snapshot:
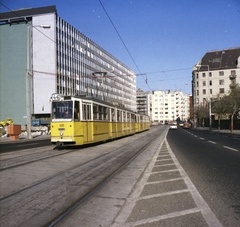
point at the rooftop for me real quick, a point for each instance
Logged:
(220, 59)
(23, 14)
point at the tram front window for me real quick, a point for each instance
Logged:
(62, 110)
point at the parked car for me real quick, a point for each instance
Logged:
(173, 126)
(186, 125)
(40, 122)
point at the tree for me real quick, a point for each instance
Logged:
(234, 101)
(220, 107)
(201, 112)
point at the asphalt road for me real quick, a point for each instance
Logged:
(212, 162)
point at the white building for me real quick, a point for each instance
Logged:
(144, 103)
(214, 74)
(168, 106)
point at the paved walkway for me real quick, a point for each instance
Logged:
(221, 130)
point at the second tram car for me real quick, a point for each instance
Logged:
(79, 120)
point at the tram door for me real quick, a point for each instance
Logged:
(87, 118)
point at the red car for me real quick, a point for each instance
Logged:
(186, 125)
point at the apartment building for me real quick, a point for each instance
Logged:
(144, 103)
(42, 54)
(168, 106)
(214, 74)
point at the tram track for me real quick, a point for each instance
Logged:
(64, 214)
(29, 158)
(21, 160)
(55, 195)
(55, 175)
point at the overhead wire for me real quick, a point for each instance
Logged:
(123, 42)
(140, 73)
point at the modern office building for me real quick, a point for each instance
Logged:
(214, 75)
(168, 106)
(41, 54)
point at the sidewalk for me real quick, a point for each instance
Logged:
(226, 131)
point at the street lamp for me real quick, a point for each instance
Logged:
(28, 77)
(209, 98)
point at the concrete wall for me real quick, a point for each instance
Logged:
(44, 62)
(13, 55)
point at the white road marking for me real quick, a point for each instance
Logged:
(212, 142)
(230, 148)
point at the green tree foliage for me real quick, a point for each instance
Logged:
(220, 107)
(228, 104)
(201, 112)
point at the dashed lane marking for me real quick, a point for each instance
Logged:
(212, 142)
(230, 148)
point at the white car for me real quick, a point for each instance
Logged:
(173, 126)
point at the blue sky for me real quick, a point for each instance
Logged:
(165, 38)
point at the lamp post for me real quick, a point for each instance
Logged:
(209, 98)
(28, 77)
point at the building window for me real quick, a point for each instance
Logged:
(210, 83)
(197, 83)
(233, 73)
(203, 75)
(221, 90)
(204, 83)
(210, 91)
(197, 92)
(210, 74)
(204, 91)
(216, 59)
(221, 82)
(221, 73)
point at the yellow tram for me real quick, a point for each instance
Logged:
(78, 120)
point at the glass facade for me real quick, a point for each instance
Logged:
(84, 68)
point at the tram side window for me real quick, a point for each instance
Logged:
(105, 113)
(86, 111)
(95, 112)
(133, 118)
(124, 117)
(100, 112)
(113, 114)
(76, 111)
(119, 115)
(100, 108)
(128, 117)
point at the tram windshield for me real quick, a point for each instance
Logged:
(62, 110)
